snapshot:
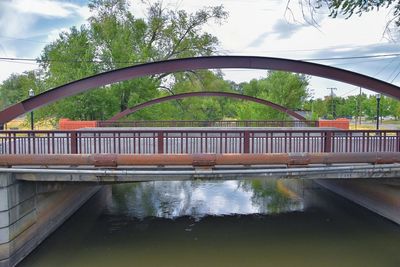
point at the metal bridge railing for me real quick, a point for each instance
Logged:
(192, 123)
(196, 141)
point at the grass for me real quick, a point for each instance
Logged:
(23, 124)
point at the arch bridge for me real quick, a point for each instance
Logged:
(159, 146)
(212, 62)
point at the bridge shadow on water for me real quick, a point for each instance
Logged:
(220, 223)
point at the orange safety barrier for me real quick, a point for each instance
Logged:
(340, 123)
(67, 124)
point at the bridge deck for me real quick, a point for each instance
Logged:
(295, 151)
(140, 174)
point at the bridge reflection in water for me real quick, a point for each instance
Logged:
(217, 223)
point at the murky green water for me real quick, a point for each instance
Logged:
(225, 223)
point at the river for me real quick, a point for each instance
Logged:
(220, 223)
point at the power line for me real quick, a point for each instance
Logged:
(394, 71)
(360, 62)
(353, 57)
(383, 68)
(138, 62)
(18, 62)
(348, 92)
(223, 50)
(305, 50)
(395, 77)
(23, 39)
(15, 60)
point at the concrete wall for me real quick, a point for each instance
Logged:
(29, 212)
(382, 196)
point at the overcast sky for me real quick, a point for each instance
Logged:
(254, 27)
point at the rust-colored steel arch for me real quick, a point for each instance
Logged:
(205, 94)
(213, 62)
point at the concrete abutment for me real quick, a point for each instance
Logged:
(29, 212)
(381, 196)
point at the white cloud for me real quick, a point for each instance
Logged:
(13, 24)
(83, 11)
(55, 33)
(20, 17)
(24, 28)
(45, 8)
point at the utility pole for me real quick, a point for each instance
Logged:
(359, 106)
(378, 109)
(358, 110)
(332, 101)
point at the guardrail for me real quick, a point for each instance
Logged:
(197, 141)
(192, 123)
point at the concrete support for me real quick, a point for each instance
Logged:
(382, 196)
(29, 212)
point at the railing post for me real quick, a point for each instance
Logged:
(160, 142)
(33, 142)
(246, 142)
(398, 142)
(74, 142)
(13, 141)
(328, 142)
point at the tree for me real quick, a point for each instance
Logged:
(348, 8)
(16, 87)
(206, 108)
(321, 107)
(113, 39)
(72, 57)
(283, 88)
(393, 107)
(197, 108)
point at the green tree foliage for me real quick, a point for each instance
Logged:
(71, 57)
(351, 7)
(393, 107)
(318, 107)
(115, 38)
(283, 88)
(16, 87)
(199, 108)
(348, 8)
(354, 106)
(388, 107)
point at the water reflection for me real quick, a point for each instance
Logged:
(216, 223)
(201, 198)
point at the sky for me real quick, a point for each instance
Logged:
(254, 28)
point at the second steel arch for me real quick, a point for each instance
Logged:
(205, 94)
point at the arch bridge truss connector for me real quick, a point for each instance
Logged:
(152, 102)
(212, 62)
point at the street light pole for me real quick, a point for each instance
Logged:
(378, 108)
(31, 94)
